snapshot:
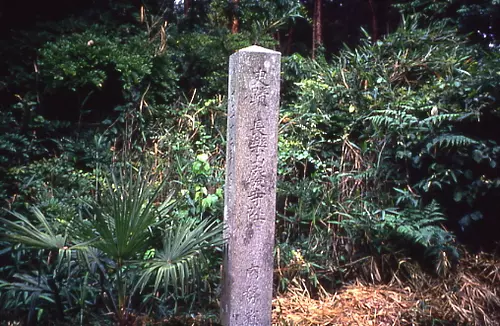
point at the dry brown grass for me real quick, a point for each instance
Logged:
(472, 294)
(353, 305)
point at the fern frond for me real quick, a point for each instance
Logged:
(436, 120)
(392, 118)
(447, 141)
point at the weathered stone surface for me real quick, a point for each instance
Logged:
(250, 191)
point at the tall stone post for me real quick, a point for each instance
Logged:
(250, 190)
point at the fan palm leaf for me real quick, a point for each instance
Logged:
(180, 256)
(123, 217)
(42, 236)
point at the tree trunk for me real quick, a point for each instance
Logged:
(187, 6)
(374, 22)
(289, 41)
(317, 25)
(235, 25)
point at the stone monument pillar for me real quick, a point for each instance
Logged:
(250, 188)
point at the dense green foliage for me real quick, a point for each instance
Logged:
(388, 148)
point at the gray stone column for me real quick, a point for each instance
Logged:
(250, 188)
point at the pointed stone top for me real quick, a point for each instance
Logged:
(256, 48)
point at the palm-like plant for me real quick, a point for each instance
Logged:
(122, 220)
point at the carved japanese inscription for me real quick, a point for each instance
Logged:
(250, 190)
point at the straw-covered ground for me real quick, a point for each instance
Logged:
(468, 296)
